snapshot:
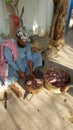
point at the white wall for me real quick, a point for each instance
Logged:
(4, 28)
(39, 10)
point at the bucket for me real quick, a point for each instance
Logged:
(56, 80)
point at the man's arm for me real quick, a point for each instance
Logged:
(10, 60)
(29, 58)
(30, 61)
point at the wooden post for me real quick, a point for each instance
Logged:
(13, 11)
(59, 22)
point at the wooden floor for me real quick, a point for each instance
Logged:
(43, 111)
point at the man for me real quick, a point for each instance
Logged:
(27, 63)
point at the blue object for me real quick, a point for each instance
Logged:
(69, 14)
(2, 81)
(24, 55)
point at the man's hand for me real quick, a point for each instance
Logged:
(21, 74)
(33, 78)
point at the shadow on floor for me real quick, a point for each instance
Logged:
(70, 91)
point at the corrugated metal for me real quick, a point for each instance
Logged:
(39, 10)
(4, 28)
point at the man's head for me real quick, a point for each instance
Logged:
(21, 38)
